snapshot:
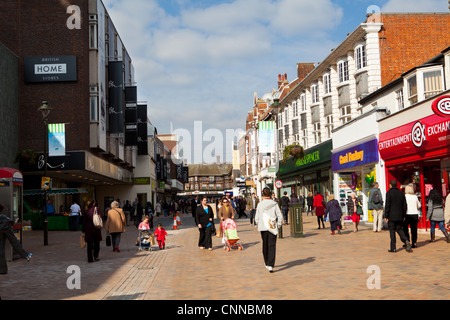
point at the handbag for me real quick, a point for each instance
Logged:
(213, 229)
(98, 222)
(270, 224)
(82, 241)
(359, 211)
(108, 240)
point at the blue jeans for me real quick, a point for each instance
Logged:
(433, 226)
(285, 211)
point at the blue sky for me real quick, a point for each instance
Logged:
(203, 60)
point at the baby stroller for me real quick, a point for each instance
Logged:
(230, 237)
(145, 240)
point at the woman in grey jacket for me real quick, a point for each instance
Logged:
(268, 218)
(435, 213)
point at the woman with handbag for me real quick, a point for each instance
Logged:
(92, 234)
(354, 208)
(115, 224)
(204, 216)
(268, 219)
(435, 214)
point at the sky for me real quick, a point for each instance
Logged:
(199, 63)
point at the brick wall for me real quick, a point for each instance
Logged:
(408, 40)
(38, 28)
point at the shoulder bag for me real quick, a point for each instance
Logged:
(98, 221)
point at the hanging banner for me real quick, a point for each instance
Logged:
(56, 140)
(266, 136)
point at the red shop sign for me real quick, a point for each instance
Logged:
(432, 132)
(441, 106)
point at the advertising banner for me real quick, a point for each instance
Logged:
(56, 140)
(266, 136)
(116, 109)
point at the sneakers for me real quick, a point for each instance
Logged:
(270, 269)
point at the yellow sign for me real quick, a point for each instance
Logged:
(45, 184)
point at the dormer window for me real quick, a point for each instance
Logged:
(423, 84)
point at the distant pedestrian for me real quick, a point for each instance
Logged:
(6, 232)
(149, 214)
(412, 215)
(161, 234)
(302, 200)
(395, 214)
(127, 209)
(115, 224)
(92, 235)
(252, 205)
(204, 219)
(352, 208)
(158, 208)
(375, 203)
(435, 213)
(294, 198)
(334, 212)
(74, 216)
(285, 207)
(309, 203)
(318, 207)
(268, 218)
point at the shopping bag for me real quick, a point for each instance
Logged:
(152, 240)
(82, 241)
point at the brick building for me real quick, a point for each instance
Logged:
(71, 55)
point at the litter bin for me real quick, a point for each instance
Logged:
(296, 219)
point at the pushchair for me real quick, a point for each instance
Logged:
(230, 237)
(145, 240)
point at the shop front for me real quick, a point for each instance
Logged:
(415, 145)
(308, 174)
(354, 170)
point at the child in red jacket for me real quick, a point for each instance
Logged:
(160, 234)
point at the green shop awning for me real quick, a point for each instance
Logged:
(315, 158)
(34, 192)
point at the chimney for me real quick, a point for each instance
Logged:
(303, 69)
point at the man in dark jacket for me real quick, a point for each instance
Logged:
(394, 214)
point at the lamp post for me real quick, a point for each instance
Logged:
(276, 107)
(45, 109)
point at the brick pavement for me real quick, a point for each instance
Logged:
(318, 266)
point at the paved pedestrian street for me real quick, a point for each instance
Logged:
(319, 266)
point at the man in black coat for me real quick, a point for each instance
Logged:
(394, 214)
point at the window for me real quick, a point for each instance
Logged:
(399, 97)
(316, 133)
(286, 115)
(303, 101)
(326, 83)
(329, 126)
(412, 89)
(432, 83)
(305, 138)
(345, 114)
(315, 93)
(343, 71)
(294, 109)
(360, 57)
(93, 36)
(94, 109)
(286, 132)
(280, 120)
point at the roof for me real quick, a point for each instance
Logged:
(213, 169)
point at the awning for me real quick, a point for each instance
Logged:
(54, 191)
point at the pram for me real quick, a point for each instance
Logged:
(145, 240)
(230, 237)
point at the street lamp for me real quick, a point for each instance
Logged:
(45, 109)
(276, 108)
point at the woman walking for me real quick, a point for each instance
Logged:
(92, 235)
(115, 224)
(412, 215)
(352, 206)
(435, 213)
(204, 216)
(334, 212)
(309, 203)
(268, 218)
(320, 210)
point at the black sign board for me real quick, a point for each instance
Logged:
(116, 97)
(50, 68)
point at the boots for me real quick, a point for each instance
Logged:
(433, 237)
(446, 235)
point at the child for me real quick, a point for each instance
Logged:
(160, 234)
(144, 225)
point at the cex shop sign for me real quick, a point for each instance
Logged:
(429, 133)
